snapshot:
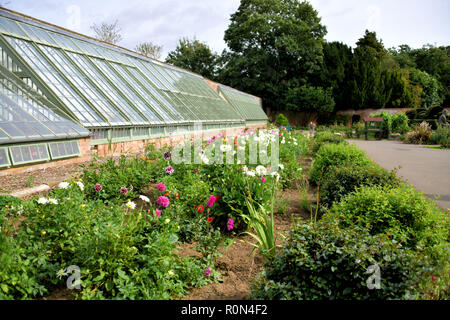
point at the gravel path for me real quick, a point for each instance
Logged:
(428, 170)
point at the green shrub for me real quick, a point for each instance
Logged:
(131, 173)
(18, 272)
(10, 204)
(402, 212)
(122, 253)
(325, 137)
(323, 261)
(441, 136)
(333, 155)
(281, 120)
(400, 123)
(343, 180)
(359, 128)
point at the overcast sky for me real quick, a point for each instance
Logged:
(412, 22)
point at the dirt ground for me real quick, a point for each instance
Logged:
(48, 176)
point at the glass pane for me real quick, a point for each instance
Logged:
(26, 154)
(59, 86)
(4, 160)
(107, 88)
(61, 149)
(144, 94)
(16, 154)
(43, 153)
(54, 150)
(11, 27)
(125, 88)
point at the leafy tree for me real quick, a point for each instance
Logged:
(149, 49)
(108, 32)
(402, 55)
(195, 56)
(430, 88)
(275, 47)
(401, 95)
(368, 83)
(310, 98)
(337, 59)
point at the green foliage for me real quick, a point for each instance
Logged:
(330, 155)
(131, 173)
(310, 98)
(393, 122)
(8, 203)
(431, 95)
(323, 261)
(195, 56)
(262, 223)
(281, 120)
(122, 253)
(275, 47)
(336, 74)
(401, 212)
(441, 136)
(359, 128)
(325, 137)
(343, 180)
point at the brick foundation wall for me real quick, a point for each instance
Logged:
(116, 149)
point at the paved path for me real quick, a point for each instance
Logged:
(427, 169)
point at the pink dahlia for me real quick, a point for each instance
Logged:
(161, 186)
(211, 201)
(163, 201)
(124, 190)
(98, 187)
(230, 224)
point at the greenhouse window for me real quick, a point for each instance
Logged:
(121, 134)
(4, 158)
(157, 131)
(64, 149)
(140, 132)
(29, 153)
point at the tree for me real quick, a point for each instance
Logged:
(195, 56)
(149, 49)
(368, 84)
(336, 72)
(275, 47)
(430, 88)
(107, 32)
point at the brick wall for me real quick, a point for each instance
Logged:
(116, 149)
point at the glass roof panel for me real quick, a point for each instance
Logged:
(11, 26)
(166, 114)
(61, 88)
(83, 84)
(107, 89)
(125, 88)
(248, 106)
(150, 87)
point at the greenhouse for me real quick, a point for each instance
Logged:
(59, 87)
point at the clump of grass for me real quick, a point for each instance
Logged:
(30, 181)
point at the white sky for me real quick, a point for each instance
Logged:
(412, 22)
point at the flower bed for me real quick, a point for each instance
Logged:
(113, 233)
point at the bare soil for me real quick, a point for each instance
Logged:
(49, 176)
